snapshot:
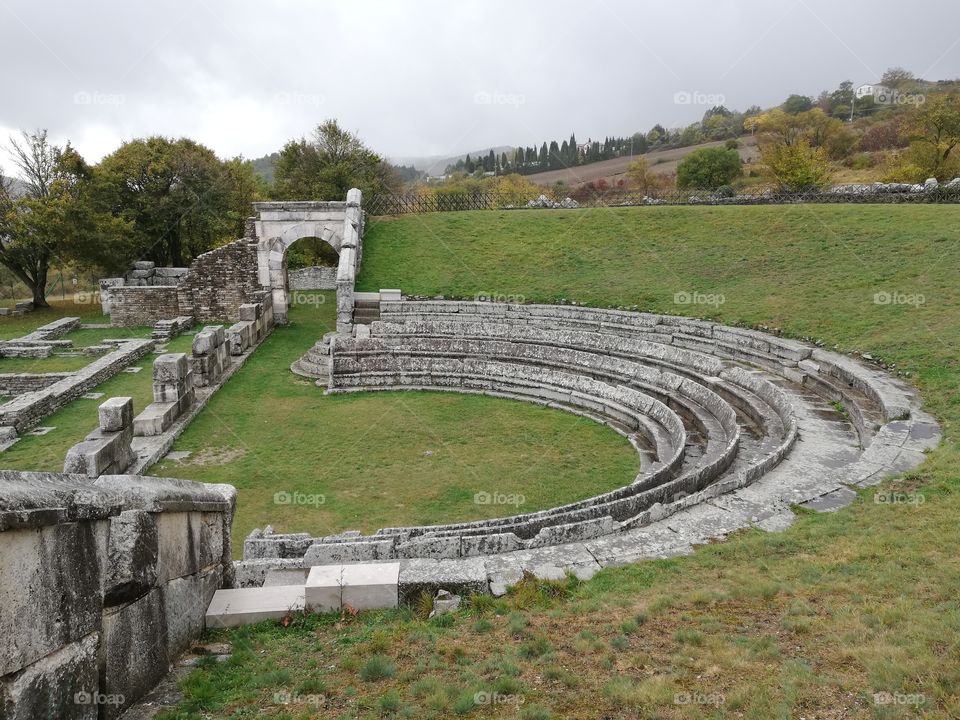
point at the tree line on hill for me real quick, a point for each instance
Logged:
(717, 123)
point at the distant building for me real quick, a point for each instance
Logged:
(873, 90)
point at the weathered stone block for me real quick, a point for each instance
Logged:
(50, 585)
(170, 368)
(134, 653)
(132, 555)
(179, 544)
(116, 414)
(62, 685)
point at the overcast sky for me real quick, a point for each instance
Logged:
(424, 78)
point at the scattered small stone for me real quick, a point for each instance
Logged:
(445, 602)
(132, 370)
(43, 430)
(177, 455)
(92, 395)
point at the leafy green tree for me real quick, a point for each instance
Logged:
(708, 168)
(796, 167)
(179, 196)
(934, 132)
(55, 220)
(331, 162)
(797, 104)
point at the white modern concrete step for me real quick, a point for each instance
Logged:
(363, 586)
(243, 606)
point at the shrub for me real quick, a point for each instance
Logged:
(797, 167)
(731, 144)
(708, 168)
(378, 667)
(726, 191)
(881, 136)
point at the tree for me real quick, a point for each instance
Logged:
(797, 104)
(934, 131)
(331, 162)
(708, 168)
(177, 194)
(796, 167)
(898, 79)
(642, 177)
(56, 219)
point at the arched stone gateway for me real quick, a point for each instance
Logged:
(279, 225)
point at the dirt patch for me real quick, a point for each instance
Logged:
(216, 456)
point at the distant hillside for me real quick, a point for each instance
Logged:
(264, 166)
(435, 165)
(662, 162)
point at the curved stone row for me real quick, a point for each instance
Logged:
(710, 408)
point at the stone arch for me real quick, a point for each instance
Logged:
(279, 225)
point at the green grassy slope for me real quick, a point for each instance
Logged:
(853, 614)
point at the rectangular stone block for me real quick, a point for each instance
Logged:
(132, 552)
(134, 652)
(242, 606)
(156, 418)
(38, 570)
(367, 586)
(116, 414)
(63, 685)
(170, 368)
(179, 539)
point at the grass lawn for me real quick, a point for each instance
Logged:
(372, 460)
(854, 614)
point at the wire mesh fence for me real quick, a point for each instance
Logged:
(427, 202)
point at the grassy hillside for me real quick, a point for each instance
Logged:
(853, 614)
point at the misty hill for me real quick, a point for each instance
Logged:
(435, 165)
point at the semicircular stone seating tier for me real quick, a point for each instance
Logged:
(732, 426)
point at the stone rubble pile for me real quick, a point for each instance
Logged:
(544, 202)
(145, 273)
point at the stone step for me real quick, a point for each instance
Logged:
(243, 606)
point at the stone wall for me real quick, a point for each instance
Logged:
(317, 277)
(102, 584)
(28, 409)
(142, 305)
(14, 384)
(220, 281)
